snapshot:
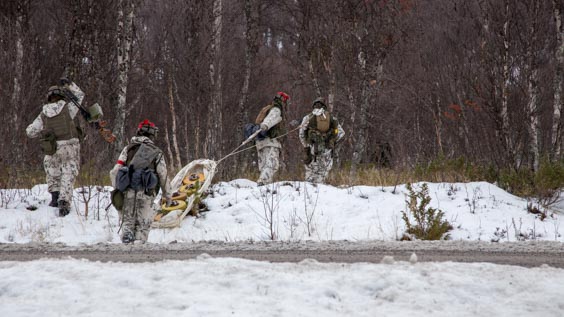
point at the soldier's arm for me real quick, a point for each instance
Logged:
(163, 179)
(120, 162)
(34, 129)
(79, 94)
(340, 132)
(303, 129)
(273, 118)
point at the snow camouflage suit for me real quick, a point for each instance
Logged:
(138, 210)
(268, 149)
(62, 167)
(320, 166)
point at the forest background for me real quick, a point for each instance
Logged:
(443, 90)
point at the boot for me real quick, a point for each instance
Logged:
(64, 208)
(54, 199)
(127, 237)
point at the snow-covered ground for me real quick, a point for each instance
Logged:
(241, 211)
(236, 287)
(293, 211)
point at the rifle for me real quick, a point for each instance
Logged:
(98, 124)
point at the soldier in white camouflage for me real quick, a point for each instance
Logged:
(271, 122)
(59, 129)
(139, 173)
(320, 133)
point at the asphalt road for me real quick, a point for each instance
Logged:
(527, 254)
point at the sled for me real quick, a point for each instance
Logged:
(188, 186)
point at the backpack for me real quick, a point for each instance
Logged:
(139, 173)
(322, 132)
(277, 130)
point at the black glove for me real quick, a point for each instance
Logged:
(263, 133)
(251, 128)
(64, 81)
(308, 158)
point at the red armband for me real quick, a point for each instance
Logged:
(120, 162)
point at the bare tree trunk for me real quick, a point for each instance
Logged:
(18, 64)
(463, 129)
(215, 116)
(176, 163)
(124, 41)
(437, 119)
(505, 126)
(251, 46)
(314, 78)
(187, 123)
(533, 91)
(168, 146)
(360, 139)
(558, 82)
(330, 67)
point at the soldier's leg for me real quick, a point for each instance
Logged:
(261, 154)
(144, 219)
(52, 167)
(309, 172)
(268, 164)
(314, 170)
(325, 166)
(70, 157)
(318, 169)
(128, 217)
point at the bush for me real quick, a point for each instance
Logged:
(429, 222)
(549, 179)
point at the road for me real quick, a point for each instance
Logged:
(527, 254)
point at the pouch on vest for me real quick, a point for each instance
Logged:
(323, 122)
(117, 199)
(143, 179)
(150, 181)
(48, 142)
(122, 179)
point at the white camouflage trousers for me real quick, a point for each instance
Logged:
(137, 215)
(319, 168)
(61, 170)
(269, 163)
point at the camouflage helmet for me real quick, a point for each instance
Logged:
(147, 128)
(55, 91)
(319, 102)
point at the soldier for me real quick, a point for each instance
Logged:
(271, 122)
(320, 132)
(58, 126)
(139, 174)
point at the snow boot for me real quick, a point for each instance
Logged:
(127, 237)
(64, 208)
(54, 199)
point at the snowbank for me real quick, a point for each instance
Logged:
(287, 211)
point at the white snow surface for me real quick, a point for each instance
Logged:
(235, 287)
(241, 211)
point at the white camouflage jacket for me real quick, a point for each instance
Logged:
(52, 109)
(273, 118)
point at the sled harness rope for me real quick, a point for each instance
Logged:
(237, 151)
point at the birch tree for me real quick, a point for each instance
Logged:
(556, 132)
(126, 14)
(251, 11)
(533, 91)
(213, 144)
